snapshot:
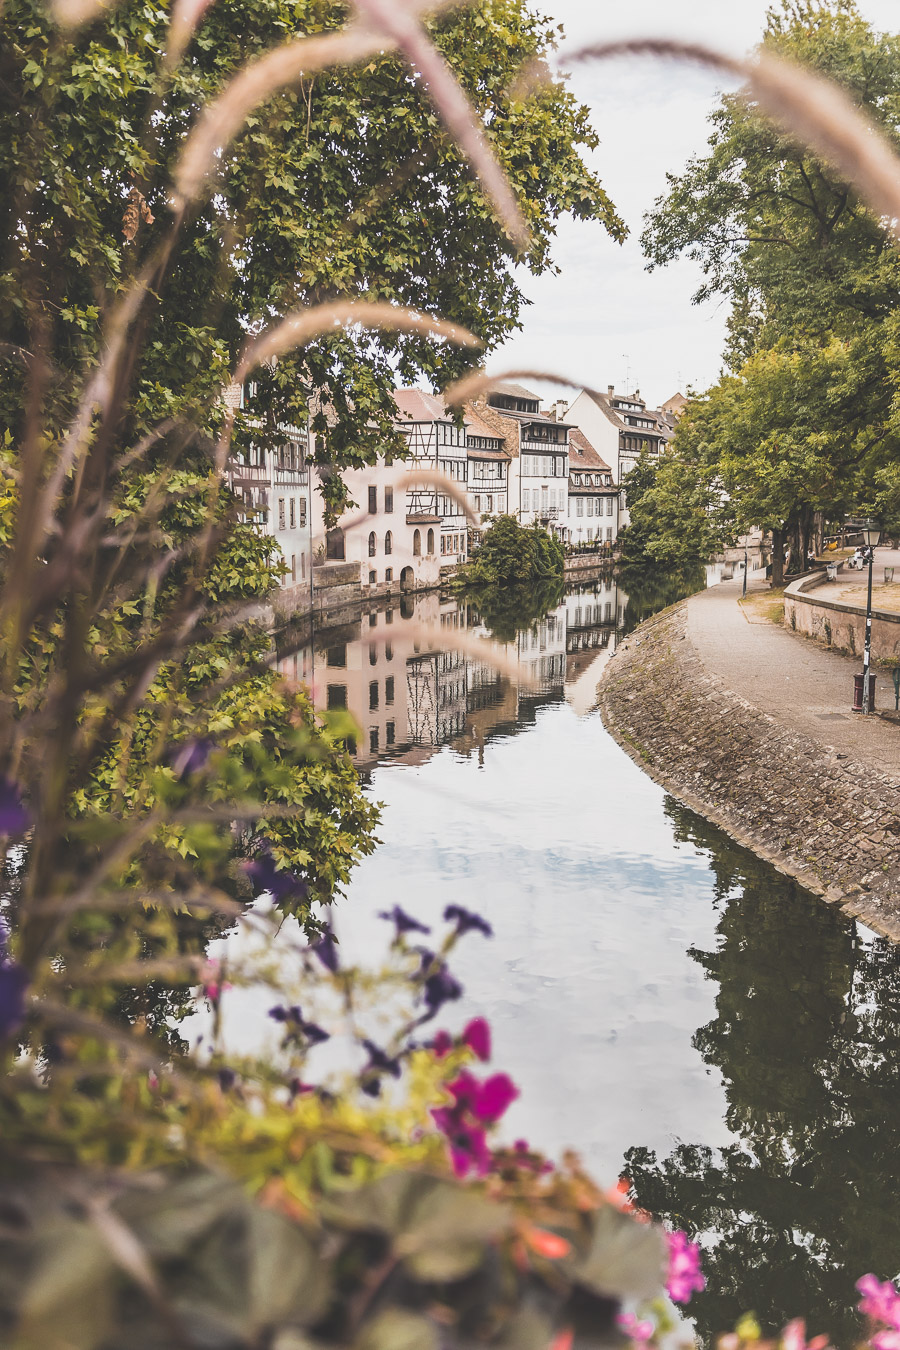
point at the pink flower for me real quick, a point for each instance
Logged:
(477, 1036)
(880, 1301)
(886, 1340)
(486, 1101)
(685, 1276)
(442, 1043)
(638, 1331)
(211, 980)
(794, 1337)
(468, 1144)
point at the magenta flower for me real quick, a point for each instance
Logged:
(211, 981)
(685, 1276)
(466, 921)
(794, 1337)
(477, 1036)
(880, 1301)
(486, 1101)
(637, 1331)
(467, 1142)
(442, 1043)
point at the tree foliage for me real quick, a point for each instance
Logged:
(806, 420)
(511, 554)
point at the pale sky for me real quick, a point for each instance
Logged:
(605, 318)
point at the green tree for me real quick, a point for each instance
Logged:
(511, 554)
(805, 422)
(676, 512)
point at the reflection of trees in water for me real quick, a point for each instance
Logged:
(510, 610)
(650, 589)
(806, 1038)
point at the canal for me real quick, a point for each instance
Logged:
(673, 1009)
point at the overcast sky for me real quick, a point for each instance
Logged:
(604, 319)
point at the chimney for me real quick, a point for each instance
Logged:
(560, 408)
(610, 388)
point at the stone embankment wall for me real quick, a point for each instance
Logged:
(823, 818)
(840, 626)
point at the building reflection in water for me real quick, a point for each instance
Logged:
(410, 697)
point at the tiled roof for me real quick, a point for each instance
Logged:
(416, 405)
(514, 391)
(475, 426)
(582, 454)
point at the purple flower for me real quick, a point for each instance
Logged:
(880, 1301)
(466, 921)
(468, 1145)
(191, 756)
(379, 1063)
(325, 949)
(227, 1078)
(281, 885)
(684, 1276)
(313, 1033)
(15, 818)
(440, 988)
(403, 922)
(13, 983)
(477, 1036)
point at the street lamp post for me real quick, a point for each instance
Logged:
(871, 533)
(745, 570)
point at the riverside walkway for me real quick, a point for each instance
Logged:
(750, 725)
(802, 685)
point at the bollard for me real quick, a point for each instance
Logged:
(888, 575)
(895, 676)
(858, 693)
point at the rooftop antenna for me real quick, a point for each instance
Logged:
(627, 359)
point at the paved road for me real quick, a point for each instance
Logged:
(799, 683)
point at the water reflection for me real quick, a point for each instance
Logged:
(806, 1037)
(624, 923)
(410, 699)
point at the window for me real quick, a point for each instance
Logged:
(389, 500)
(389, 616)
(373, 740)
(477, 503)
(389, 651)
(609, 506)
(373, 696)
(579, 506)
(281, 524)
(417, 543)
(293, 567)
(303, 566)
(526, 499)
(337, 696)
(373, 500)
(389, 729)
(302, 506)
(443, 543)
(373, 578)
(336, 657)
(389, 574)
(609, 532)
(490, 504)
(334, 545)
(372, 544)
(373, 654)
(293, 512)
(389, 690)
(431, 541)
(373, 618)
(388, 544)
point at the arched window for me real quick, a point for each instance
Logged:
(417, 544)
(431, 541)
(372, 545)
(388, 542)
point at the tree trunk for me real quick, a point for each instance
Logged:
(778, 557)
